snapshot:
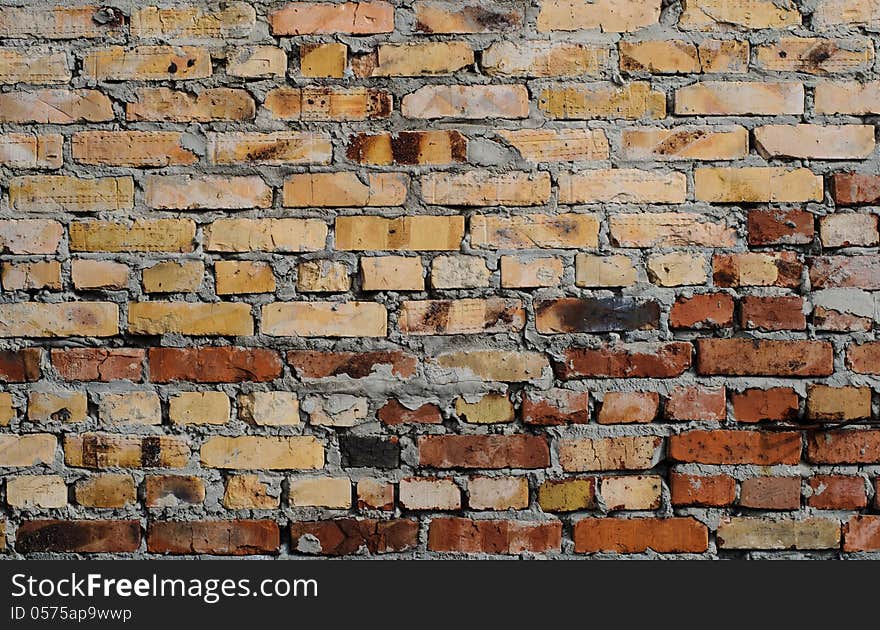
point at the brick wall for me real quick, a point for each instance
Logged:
(417, 277)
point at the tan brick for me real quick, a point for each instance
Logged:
(71, 319)
(491, 408)
(622, 185)
(632, 492)
(756, 184)
(684, 143)
(199, 408)
(852, 12)
(763, 533)
(235, 277)
(392, 273)
(147, 63)
(528, 231)
(269, 148)
(101, 450)
(130, 408)
(322, 276)
(619, 453)
(335, 190)
(98, 274)
(27, 450)
(325, 319)
(838, 404)
(163, 104)
(532, 273)
(131, 148)
(56, 23)
(33, 66)
(420, 59)
(848, 230)
(249, 492)
(669, 229)
(326, 492)
(707, 15)
(315, 18)
(543, 59)
(174, 276)
(63, 193)
(266, 235)
(407, 233)
(723, 55)
(30, 236)
(479, 188)
(566, 495)
(263, 453)
(602, 100)
(604, 270)
(557, 145)
(375, 494)
(272, 409)
(27, 276)
(7, 409)
(256, 62)
(190, 318)
(821, 142)
(659, 57)
(507, 366)
(429, 494)
(675, 269)
(459, 272)
(206, 192)
(739, 98)
(24, 150)
(498, 493)
(465, 17)
(326, 103)
(815, 55)
(463, 316)
(36, 491)
(57, 406)
(108, 491)
(609, 16)
(467, 101)
(847, 97)
(142, 235)
(323, 60)
(235, 19)
(173, 491)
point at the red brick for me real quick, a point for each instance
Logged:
(775, 404)
(628, 407)
(862, 533)
(99, 364)
(664, 360)
(854, 446)
(864, 358)
(771, 493)
(222, 538)
(837, 492)
(78, 536)
(780, 227)
(702, 490)
(704, 310)
(484, 451)
(315, 364)
(761, 357)
(697, 403)
(213, 365)
(857, 272)
(852, 189)
(393, 413)
(20, 366)
(496, 537)
(557, 406)
(635, 535)
(772, 313)
(344, 536)
(724, 446)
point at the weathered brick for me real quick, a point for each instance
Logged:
(78, 536)
(327, 103)
(199, 408)
(141, 235)
(543, 59)
(269, 408)
(820, 142)
(30, 236)
(30, 276)
(171, 491)
(394, 413)
(838, 404)
(184, 192)
(106, 491)
(780, 227)
(248, 492)
(739, 98)
(328, 492)
(471, 101)
(335, 190)
(166, 105)
(70, 319)
(856, 446)
(491, 408)
(173, 277)
(861, 533)
(707, 15)
(757, 269)
(322, 276)
(677, 269)
(609, 16)
(631, 492)
(666, 535)
(313, 364)
(408, 148)
(771, 493)
(744, 357)
(60, 22)
(816, 55)
(619, 453)
(527, 231)
(62, 193)
(480, 188)
(483, 451)
(620, 185)
(698, 403)
(38, 66)
(498, 493)
(702, 310)
(99, 364)
(756, 405)
(461, 317)
(566, 495)
(27, 450)
(772, 313)
(568, 315)
(257, 62)
(495, 537)
(314, 18)
(224, 538)
(131, 148)
(20, 366)
(345, 536)
(722, 446)
(847, 97)
(98, 274)
(36, 491)
(848, 230)
(531, 273)
(684, 143)
(628, 407)
(213, 365)
(102, 450)
(465, 17)
(323, 60)
(556, 406)
(268, 235)
(633, 101)
(234, 277)
(22, 150)
(375, 495)
(859, 272)
(762, 533)
(429, 494)
(702, 490)
(837, 492)
(864, 358)
(756, 184)
(235, 19)
(324, 319)
(626, 361)
(557, 145)
(57, 406)
(147, 63)
(668, 229)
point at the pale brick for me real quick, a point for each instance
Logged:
(498, 493)
(604, 271)
(507, 366)
(256, 62)
(543, 59)
(316, 276)
(763, 533)
(314, 18)
(602, 100)
(263, 453)
(375, 494)
(557, 145)
(235, 19)
(757, 184)
(147, 63)
(467, 101)
(677, 269)
(619, 453)
(480, 188)
(684, 143)
(429, 494)
(30, 236)
(326, 492)
(142, 235)
(336, 410)
(659, 57)
(57, 406)
(609, 16)
(206, 192)
(190, 318)
(269, 148)
(98, 274)
(28, 276)
(847, 97)
(266, 235)
(525, 273)
(63, 193)
(707, 15)
(130, 408)
(163, 104)
(27, 450)
(631, 492)
(33, 66)
(392, 273)
(723, 55)
(466, 17)
(490, 408)
(326, 103)
(7, 409)
(199, 408)
(621, 185)
(669, 229)
(131, 148)
(324, 319)
(831, 13)
(815, 55)
(174, 276)
(108, 491)
(71, 319)
(459, 272)
(273, 409)
(420, 59)
(408, 233)
(249, 492)
(58, 22)
(739, 98)
(24, 150)
(235, 277)
(335, 190)
(36, 491)
(564, 231)
(848, 230)
(820, 142)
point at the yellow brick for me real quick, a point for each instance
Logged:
(474, 102)
(604, 271)
(566, 495)
(622, 185)
(659, 57)
(55, 106)
(392, 273)
(57, 406)
(838, 404)
(62, 193)
(235, 19)
(684, 143)
(234, 277)
(707, 15)
(272, 409)
(831, 13)
(530, 273)
(757, 184)
(131, 148)
(130, 408)
(325, 319)
(199, 408)
(248, 492)
(739, 98)
(335, 190)
(27, 276)
(267, 235)
(822, 142)
(408, 233)
(55, 23)
(617, 453)
(27, 450)
(602, 100)
(36, 491)
(528, 231)
(506, 366)
(147, 63)
(723, 55)
(609, 16)
(143, 235)
(322, 276)
(98, 274)
(815, 55)
(632, 492)
(323, 60)
(269, 148)
(462, 316)
(543, 59)
(256, 62)
(669, 229)
(174, 276)
(326, 103)
(101, 450)
(558, 145)
(106, 491)
(190, 318)
(7, 409)
(34, 66)
(418, 59)
(676, 269)
(478, 188)
(325, 492)
(489, 409)
(163, 104)
(71, 319)
(459, 272)
(24, 150)
(263, 453)
(206, 192)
